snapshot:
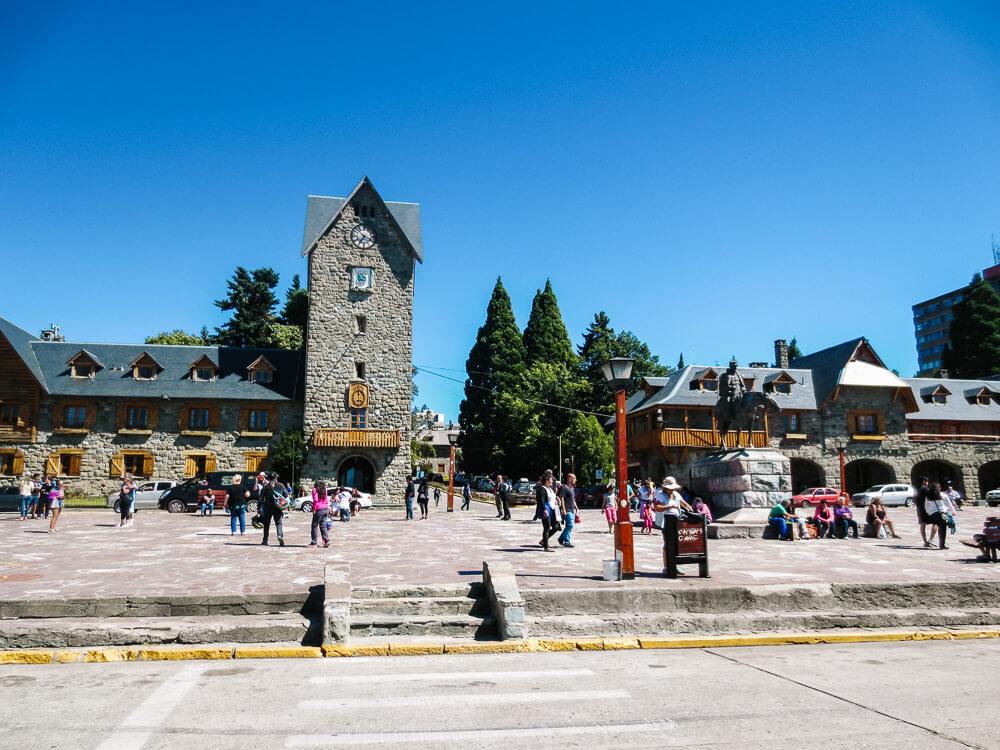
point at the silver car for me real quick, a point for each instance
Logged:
(146, 496)
(891, 494)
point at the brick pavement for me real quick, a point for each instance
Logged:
(169, 554)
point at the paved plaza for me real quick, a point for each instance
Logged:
(185, 554)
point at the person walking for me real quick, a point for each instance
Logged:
(567, 501)
(936, 510)
(545, 499)
(126, 500)
(43, 497)
(24, 489)
(503, 492)
(36, 487)
(56, 498)
(411, 490)
(466, 497)
(423, 498)
(437, 496)
(496, 496)
(920, 502)
(273, 501)
(236, 505)
(610, 507)
(321, 513)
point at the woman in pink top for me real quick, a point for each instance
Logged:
(321, 511)
(823, 520)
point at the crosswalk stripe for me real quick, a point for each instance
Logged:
(460, 699)
(473, 736)
(546, 674)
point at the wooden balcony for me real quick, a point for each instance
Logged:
(19, 434)
(680, 437)
(962, 438)
(338, 437)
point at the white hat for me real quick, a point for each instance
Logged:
(670, 483)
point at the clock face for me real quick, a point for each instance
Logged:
(362, 278)
(363, 236)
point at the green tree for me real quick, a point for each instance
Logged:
(177, 337)
(545, 337)
(296, 309)
(793, 349)
(495, 365)
(975, 333)
(680, 362)
(287, 456)
(251, 298)
(285, 336)
(591, 447)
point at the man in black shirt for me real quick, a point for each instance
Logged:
(567, 501)
(923, 492)
(272, 495)
(503, 498)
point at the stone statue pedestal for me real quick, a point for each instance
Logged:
(742, 485)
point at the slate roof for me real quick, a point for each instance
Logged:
(957, 406)
(47, 360)
(826, 365)
(321, 211)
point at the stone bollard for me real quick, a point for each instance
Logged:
(505, 599)
(336, 602)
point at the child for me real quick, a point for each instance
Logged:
(647, 518)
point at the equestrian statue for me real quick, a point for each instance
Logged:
(736, 408)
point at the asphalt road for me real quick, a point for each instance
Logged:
(913, 695)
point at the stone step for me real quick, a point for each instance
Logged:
(69, 632)
(468, 590)
(306, 602)
(420, 606)
(749, 622)
(381, 626)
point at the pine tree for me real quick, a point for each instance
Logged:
(680, 362)
(251, 298)
(793, 349)
(495, 365)
(296, 309)
(545, 337)
(975, 333)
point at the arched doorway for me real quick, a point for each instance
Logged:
(989, 477)
(806, 473)
(867, 472)
(937, 471)
(357, 472)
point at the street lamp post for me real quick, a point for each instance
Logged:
(841, 445)
(618, 372)
(452, 438)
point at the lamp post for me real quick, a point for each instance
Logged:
(452, 438)
(618, 372)
(841, 444)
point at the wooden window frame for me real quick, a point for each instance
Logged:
(16, 462)
(53, 463)
(60, 416)
(878, 422)
(119, 467)
(254, 461)
(359, 419)
(184, 420)
(15, 420)
(191, 459)
(272, 421)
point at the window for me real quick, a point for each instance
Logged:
(82, 371)
(865, 424)
(66, 464)
(255, 460)
(7, 464)
(196, 463)
(133, 463)
(137, 418)
(983, 399)
(76, 416)
(258, 420)
(198, 419)
(359, 419)
(145, 372)
(204, 373)
(360, 323)
(792, 423)
(261, 376)
(940, 398)
(9, 414)
(359, 370)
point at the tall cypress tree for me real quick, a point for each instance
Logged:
(975, 333)
(545, 337)
(495, 363)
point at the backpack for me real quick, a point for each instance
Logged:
(276, 495)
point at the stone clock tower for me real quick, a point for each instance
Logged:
(359, 343)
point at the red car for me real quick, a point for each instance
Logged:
(813, 496)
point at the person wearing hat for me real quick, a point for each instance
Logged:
(668, 500)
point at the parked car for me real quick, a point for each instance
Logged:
(305, 503)
(891, 494)
(813, 496)
(146, 497)
(186, 497)
(993, 498)
(460, 479)
(482, 484)
(10, 498)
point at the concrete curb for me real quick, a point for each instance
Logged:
(531, 645)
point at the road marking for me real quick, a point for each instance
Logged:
(139, 726)
(473, 736)
(467, 700)
(459, 676)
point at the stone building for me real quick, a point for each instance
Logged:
(839, 403)
(88, 412)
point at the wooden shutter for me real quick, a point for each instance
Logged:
(52, 464)
(244, 420)
(183, 418)
(117, 466)
(881, 424)
(18, 469)
(209, 463)
(58, 415)
(190, 466)
(272, 419)
(74, 464)
(121, 417)
(213, 419)
(154, 417)
(91, 419)
(147, 465)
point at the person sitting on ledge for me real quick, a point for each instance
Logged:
(780, 518)
(878, 520)
(823, 520)
(844, 519)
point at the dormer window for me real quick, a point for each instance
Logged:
(83, 364)
(780, 383)
(261, 371)
(706, 381)
(983, 396)
(204, 369)
(144, 367)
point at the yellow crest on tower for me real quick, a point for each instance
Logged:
(357, 396)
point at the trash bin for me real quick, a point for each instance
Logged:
(684, 543)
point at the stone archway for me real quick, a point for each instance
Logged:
(937, 471)
(863, 473)
(989, 478)
(357, 472)
(806, 473)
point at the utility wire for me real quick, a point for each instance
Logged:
(514, 395)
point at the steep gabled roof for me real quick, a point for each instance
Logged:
(322, 212)
(20, 340)
(84, 354)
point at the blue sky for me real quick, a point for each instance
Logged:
(787, 169)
